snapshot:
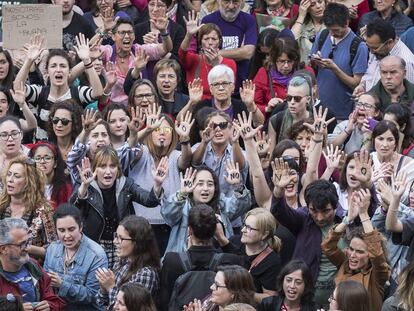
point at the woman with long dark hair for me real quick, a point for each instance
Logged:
(134, 297)
(139, 261)
(48, 159)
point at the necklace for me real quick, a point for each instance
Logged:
(122, 58)
(69, 259)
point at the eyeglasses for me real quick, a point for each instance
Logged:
(140, 97)
(224, 84)
(22, 245)
(118, 238)
(221, 125)
(284, 62)
(55, 120)
(123, 33)
(164, 129)
(297, 99)
(13, 134)
(334, 46)
(46, 158)
(378, 48)
(216, 286)
(227, 2)
(364, 105)
(249, 228)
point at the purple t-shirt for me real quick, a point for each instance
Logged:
(242, 31)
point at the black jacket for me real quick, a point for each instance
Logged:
(92, 209)
(274, 303)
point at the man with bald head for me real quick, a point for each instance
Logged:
(393, 88)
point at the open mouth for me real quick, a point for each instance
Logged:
(126, 42)
(204, 195)
(290, 187)
(59, 77)
(108, 178)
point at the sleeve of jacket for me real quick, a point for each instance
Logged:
(262, 87)
(76, 154)
(236, 205)
(331, 250)
(288, 217)
(129, 81)
(85, 294)
(172, 209)
(381, 269)
(46, 293)
(178, 38)
(144, 197)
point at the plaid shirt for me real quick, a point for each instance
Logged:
(146, 276)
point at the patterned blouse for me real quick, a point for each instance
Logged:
(146, 276)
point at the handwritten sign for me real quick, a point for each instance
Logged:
(22, 22)
(13, 2)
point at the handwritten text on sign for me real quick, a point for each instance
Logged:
(22, 22)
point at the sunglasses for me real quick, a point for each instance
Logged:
(221, 125)
(297, 99)
(55, 120)
(165, 129)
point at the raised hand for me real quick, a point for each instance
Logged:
(363, 166)
(82, 47)
(352, 120)
(18, 93)
(95, 50)
(192, 23)
(89, 120)
(160, 173)
(212, 56)
(385, 191)
(320, 126)
(353, 209)
(235, 135)
(247, 93)
(153, 117)
(281, 174)
(106, 278)
(110, 74)
(273, 103)
(85, 172)
(386, 170)
(363, 200)
(304, 7)
(262, 144)
(137, 120)
(208, 133)
(399, 184)
(107, 16)
(35, 47)
(160, 23)
(183, 126)
(195, 90)
(233, 173)
(333, 156)
(150, 38)
(188, 180)
(244, 126)
(141, 59)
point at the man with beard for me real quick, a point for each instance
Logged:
(19, 274)
(73, 24)
(382, 41)
(393, 88)
(239, 34)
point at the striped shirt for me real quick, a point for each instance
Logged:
(373, 74)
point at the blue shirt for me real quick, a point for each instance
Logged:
(332, 91)
(408, 38)
(24, 280)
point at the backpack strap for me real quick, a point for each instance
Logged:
(353, 49)
(185, 261)
(43, 95)
(400, 162)
(74, 93)
(215, 261)
(322, 38)
(266, 252)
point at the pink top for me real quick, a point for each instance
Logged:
(140, 4)
(118, 94)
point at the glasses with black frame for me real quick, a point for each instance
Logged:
(119, 239)
(249, 228)
(64, 121)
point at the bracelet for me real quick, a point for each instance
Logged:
(107, 94)
(347, 133)
(165, 34)
(366, 219)
(187, 142)
(300, 23)
(317, 141)
(393, 210)
(87, 65)
(383, 211)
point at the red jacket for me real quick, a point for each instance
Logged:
(43, 287)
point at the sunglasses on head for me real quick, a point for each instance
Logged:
(221, 125)
(55, 120)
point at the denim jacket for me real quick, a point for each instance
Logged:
(79, 284)
(175, 213)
